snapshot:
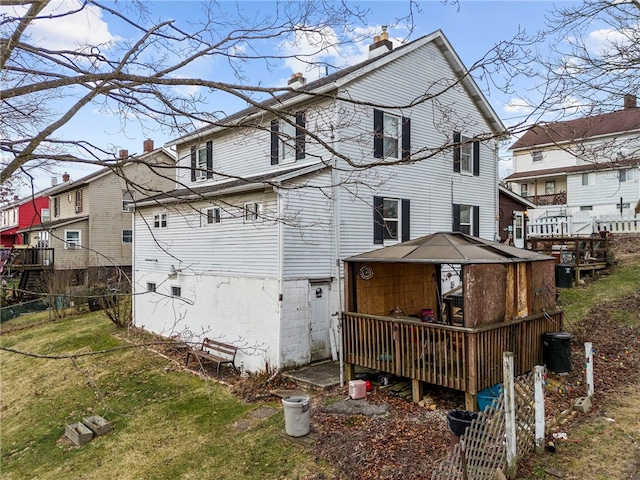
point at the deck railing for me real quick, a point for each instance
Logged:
(466, 359)
(21, 258)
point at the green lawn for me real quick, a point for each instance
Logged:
(169, 424)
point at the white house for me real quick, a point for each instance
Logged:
(582, 168)
(248, 248)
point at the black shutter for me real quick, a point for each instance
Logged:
(456, 217)
(193, 163)
(406, 138)
(378, 133)
(209, 159)
(274, 142)
(476, 158)
(456, 153)
(406, 216)
(300, 136)
(378, 221)
(476, 221)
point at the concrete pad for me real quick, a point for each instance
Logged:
(320, 375)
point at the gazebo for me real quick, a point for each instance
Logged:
(442, 309)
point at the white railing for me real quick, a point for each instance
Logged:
(620, 225)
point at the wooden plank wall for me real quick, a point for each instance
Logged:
(411, 287)
(485, 294)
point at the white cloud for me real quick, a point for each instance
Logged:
(517, 106)
(71, 31)
(314, 48)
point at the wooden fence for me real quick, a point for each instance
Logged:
(465, 359)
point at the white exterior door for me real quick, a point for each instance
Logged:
(518, 229)
(319, 321)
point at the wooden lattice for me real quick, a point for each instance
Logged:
(481, 450)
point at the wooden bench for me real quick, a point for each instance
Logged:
(216, 352)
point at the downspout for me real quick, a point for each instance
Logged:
(335, 180)
(134, 285)
(280, 270)
(496, 200)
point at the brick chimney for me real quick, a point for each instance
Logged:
(66, 177)
(147, 146)
(630, 101)
(297, 80)
(381, 44)
(123, 154)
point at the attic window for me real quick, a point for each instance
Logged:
(536, 156)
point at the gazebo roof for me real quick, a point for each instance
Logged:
(449, 247)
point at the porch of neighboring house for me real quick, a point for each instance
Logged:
(29, 263)
(398, 319)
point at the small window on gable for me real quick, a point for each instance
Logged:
(127, 200)
(151, 287)
(536, 156)
(211, 216)
(160, 220)
(252, 211)
(176, 291)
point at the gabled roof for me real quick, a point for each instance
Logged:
(340, 78)
(233, 185)
(518, 198)
(53, 224)
(449, 247)
(591, 167)
(622, 121)
(73, 184)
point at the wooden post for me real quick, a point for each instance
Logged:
(538, 376)
(588, 350)
(349, 372)
(509, 414)
(416, 390)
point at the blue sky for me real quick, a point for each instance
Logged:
(472, 27)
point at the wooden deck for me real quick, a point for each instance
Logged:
(465, 359)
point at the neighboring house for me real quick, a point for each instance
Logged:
(21, 214)
(514, 214)
(90, 231)
(589, 165)
(248, 248)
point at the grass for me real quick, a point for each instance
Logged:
(625, 281)
(605, 446)
(168, 423)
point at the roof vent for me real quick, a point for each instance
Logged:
(381, 44)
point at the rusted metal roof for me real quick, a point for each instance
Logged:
(449, 247)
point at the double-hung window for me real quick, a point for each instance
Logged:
(626, 175)
(211, 216)
(524, 189)
(202, 161)
(391, 218)
(127, 236)
(252, 211)
(151, 287)
(56, 206)
(589, 178)
(466, 155)
(176, 291)
(392, 136)
(550, 187)
(127, 200)
(71, 239)
(160, 220)
(466, 219)
(288, 139)
(78, 201)
(536, 156)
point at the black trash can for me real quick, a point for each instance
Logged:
(564, 275)
(556, 349)
(458, 421)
